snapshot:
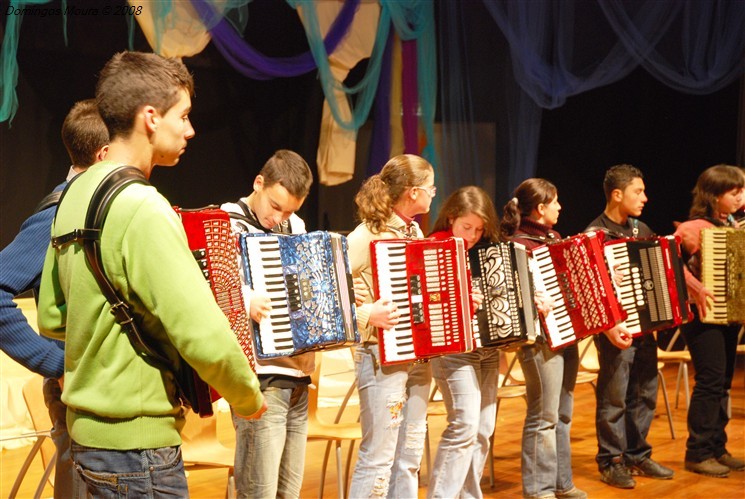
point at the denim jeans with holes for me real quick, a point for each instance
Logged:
(150, 473)
(393, 415)
(468, 383)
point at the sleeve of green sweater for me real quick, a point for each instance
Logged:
(167, 281)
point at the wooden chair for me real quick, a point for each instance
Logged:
(336, 432)
(201, 449)
(511, 385)
(33, 396)
(680, 357)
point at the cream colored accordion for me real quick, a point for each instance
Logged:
(723, 273)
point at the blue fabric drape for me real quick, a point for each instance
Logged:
(561, 48)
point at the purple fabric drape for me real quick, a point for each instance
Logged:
(252, 63)
(410, 97)
(380, 144)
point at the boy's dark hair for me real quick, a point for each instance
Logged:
(288, 169)
(131, 80)
(84, 133)
(618, 177)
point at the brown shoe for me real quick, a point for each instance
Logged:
(709, 467)
(731, 462)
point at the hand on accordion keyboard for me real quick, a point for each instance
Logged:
(543, 302)
(261, 306)
(618, 275)
(384, 314)
(361, 291)
(619, 336)
(703, 300)
(477, 298)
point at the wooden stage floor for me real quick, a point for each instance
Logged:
(211, 484)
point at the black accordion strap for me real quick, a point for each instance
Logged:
(89, 236)
(249, 217)
(98, 209)
(51, 199)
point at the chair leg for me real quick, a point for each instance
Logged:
(685, 385)
(424, 477)
(667, 403)
(490, 457)
(339, 474)
(348, 467)
(230, 492)
(323, 469)
(26, 464)
(47, 473)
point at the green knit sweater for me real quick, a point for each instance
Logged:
(117, 400)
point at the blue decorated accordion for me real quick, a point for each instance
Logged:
(308, 280)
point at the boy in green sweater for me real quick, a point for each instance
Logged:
(123, 416)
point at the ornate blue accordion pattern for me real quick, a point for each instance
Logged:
(308, 279)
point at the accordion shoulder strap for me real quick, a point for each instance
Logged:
(51, 199)
(89, 236)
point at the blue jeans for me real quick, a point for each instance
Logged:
(393, 415)
(64, 472)
(546, 452)
(150, 473)
(713, 350)
(468, 383)
(270, 451)
(626, 400)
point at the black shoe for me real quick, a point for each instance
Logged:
(652, 469)
(616, 475)
(709, 467)
(731, 462)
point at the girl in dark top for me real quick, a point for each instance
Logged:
(550, 376)
(717, 195)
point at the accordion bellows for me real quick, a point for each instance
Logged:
(309, 283)
(574, 274)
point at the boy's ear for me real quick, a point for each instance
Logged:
(259, 183)
(616, 195)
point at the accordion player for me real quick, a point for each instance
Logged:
(308, 280)
(508, 315)
(573, 272)
(723, 273)
(214, 248)
(429, 282)
(653, 291)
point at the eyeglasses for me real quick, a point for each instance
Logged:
(431, 190)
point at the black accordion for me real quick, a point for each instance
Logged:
(309, 282)
(653, 291)
(507, 317)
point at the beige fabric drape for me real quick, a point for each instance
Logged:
(336, 148)
(185, 34)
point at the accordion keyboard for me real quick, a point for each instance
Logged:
(275, 331)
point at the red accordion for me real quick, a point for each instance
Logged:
(653, 291)
(430, 283)
(214, 247)
(574, 274)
